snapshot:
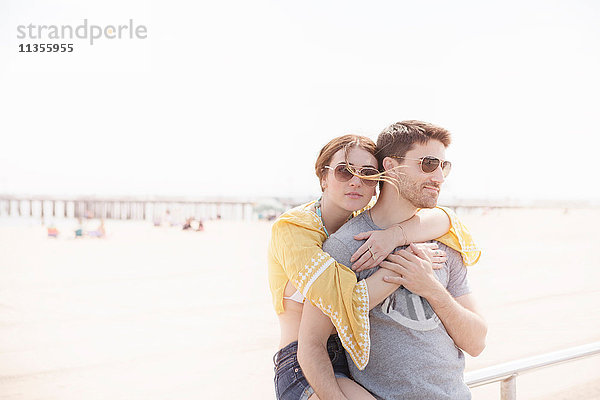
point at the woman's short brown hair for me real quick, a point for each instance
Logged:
(346, 143)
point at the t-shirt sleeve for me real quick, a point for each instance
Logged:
(458, 283)
(329, 285)
(338, 250)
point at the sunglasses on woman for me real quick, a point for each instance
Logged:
(345, 172)
(430, 163)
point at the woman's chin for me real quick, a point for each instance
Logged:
(356, 204)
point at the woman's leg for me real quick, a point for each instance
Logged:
(351, 389)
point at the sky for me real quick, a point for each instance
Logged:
(236, 98)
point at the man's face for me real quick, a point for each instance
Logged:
(419, 188)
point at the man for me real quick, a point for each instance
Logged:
(419, 332)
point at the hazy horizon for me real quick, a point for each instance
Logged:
(473, 201)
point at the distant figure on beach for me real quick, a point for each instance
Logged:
(79, 228)
(99, 232)
(188, 223)
(419, 333)
(52, 231)
(200, 227)
(299, 269)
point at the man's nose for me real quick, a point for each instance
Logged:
(438, 175)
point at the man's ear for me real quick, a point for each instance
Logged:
(388, 163)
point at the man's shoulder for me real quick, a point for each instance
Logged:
(341, 245)
(454, 258)
(351, 228)
(449, 250)
(458, 283)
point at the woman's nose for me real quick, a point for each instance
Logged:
(355, 181)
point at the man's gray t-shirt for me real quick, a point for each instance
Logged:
(412, 356)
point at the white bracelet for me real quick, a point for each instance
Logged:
(403, 235)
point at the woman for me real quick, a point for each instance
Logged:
(299, 269)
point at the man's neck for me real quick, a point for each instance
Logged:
(391, 208)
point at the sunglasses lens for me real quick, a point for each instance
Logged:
(342, 173)
(369, 172)
(446, 166)
(429, 164)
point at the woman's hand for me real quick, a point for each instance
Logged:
(378, 246)
(430, 252)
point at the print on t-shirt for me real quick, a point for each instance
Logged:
(411, 310)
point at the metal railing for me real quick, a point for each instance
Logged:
(507, 373)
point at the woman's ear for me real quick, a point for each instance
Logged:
(323, 183)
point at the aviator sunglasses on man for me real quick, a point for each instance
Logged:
(430, 163)
(345, 172)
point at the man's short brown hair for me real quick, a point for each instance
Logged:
(399, 138)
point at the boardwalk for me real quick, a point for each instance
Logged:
(128, 208)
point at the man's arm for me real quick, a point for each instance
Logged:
(378, 289)
(460, 316)
(313, 357)
(461, 319)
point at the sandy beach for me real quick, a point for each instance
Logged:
(159, 313)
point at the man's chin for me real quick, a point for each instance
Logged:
(428, 203)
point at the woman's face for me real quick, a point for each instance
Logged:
(351, 195)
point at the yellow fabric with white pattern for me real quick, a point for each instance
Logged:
(459, 238)
(295, 255)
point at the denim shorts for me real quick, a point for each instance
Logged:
(290, 383)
